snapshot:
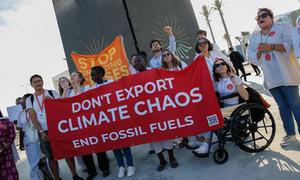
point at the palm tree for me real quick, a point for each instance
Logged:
(206, 13)
(227, 39)
(243, 39)
(218, 6)
(245, 35)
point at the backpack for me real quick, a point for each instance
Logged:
(49, 92)
(180, 65)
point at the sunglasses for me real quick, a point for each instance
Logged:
(220, 65)
(202, 43)
(167, 54)
(264, 15)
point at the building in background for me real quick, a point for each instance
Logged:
(88, 26)
(56, 78)
(289, 17)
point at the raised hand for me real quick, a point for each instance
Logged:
(168, 30)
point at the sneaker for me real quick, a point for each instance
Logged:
(130, 171)
(203, 148)
(193, 144)
(121, 172)
(287, 140)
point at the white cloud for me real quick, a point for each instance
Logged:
(31, 44)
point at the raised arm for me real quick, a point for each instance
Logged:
(172, 40)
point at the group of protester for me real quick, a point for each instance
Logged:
(271, 48)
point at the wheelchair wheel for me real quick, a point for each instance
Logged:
(253, 127)
(221, 156)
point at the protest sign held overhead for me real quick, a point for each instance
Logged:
(113, 59)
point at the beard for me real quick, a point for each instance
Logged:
(156, 50)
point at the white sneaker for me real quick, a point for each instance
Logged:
(121, 172)
(287, 140)
(130, 171)
(202, 149)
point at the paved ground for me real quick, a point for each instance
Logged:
(274, 163)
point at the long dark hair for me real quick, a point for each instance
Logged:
(216, 75)
(210, 46)
(1, 115)
(175, 60)
(60, 89)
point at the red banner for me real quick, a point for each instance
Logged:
(146, 107)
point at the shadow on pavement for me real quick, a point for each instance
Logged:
(277, 161)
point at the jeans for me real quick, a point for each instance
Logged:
(288, 101)
(119, 156)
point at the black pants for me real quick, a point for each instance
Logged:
(241, 68)
(90, 165)
(256, 69)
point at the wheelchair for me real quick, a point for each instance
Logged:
(249, 124)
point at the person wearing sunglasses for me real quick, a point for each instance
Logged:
(272, 49)
(206, 50)
(171, 62)
(203, 34)
(228, 83)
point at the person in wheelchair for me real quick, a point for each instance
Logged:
(228, 83)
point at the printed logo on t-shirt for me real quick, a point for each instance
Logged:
(272, 33)
(268, 57)
(229, 86)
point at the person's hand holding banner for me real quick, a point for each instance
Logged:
(146, 107)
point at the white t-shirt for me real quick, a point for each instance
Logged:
(40, 113)
(71, 92)
(279, 68)
(104, 82)
(226, 87)
(178, 68)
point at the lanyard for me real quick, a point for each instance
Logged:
(40, 106)
(268, 35)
